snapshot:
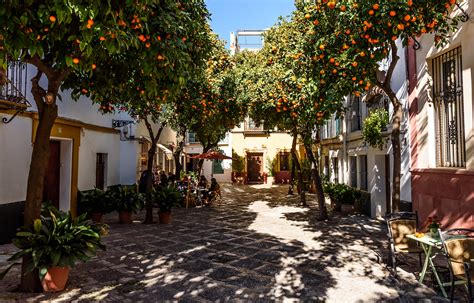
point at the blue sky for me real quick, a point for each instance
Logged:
(231, 15)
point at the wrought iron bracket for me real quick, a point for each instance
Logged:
(464, 17)
(6, 120)
(121, 123)
(416, 44)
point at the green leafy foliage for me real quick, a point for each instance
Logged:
(238, 162)
(57, 239)
(341, 193)
(93, 201)
(375, 123)
(165, 198)
(125, 198)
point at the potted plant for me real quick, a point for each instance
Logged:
(433, 226)
(55, 243)
(166, 198)
(95, 203)
(126, 201)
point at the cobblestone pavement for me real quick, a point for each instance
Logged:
(257, 246)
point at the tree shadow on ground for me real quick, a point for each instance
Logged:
(256, 247)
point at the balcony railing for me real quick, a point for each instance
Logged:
(13, 82)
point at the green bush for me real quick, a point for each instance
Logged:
(57, 239)
(341, 193)
(165, 198)
(238, 162)
(375, 123)
(125, 198)
(93, 201)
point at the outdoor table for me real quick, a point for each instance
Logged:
(430, 245)
(200, 192)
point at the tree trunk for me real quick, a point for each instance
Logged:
(149, 184)
(179, 150)
(397, 157)
(47, 112)
(149, 179)
(318, 184)
(295, 160)
(396, 124)
(293, 166)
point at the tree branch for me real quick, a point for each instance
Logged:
(391, 68)
(150, 129)
(36, 61)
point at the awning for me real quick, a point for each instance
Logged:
(168, 152)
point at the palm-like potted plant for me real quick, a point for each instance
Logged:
(95, 202)
(165, 199)
(55, 243)
(126, 201)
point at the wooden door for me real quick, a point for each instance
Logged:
(100, 170)
(255, 167)
(52, 177)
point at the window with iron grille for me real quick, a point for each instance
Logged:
(449, 107)
(353, 170)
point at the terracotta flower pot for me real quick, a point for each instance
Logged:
(55, 279)
(125, 217)
(97, 217)
(165, 217)
(347, 209)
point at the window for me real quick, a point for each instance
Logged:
(144, 147)
(217, 167)
(356, 119)
(192, 138)
(100, 171)
(284, 161)
(353, 170)
(363, 172)
(335, 168)
(449, 106)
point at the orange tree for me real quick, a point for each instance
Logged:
(206, 105)
(144, 83)
(284, 93)
(61, 38)
(348, 39)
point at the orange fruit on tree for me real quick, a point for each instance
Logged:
(354, 63)
(316, 22)
(371, 12)
(102, 38)
(401, 26)
(52, 18)
(407, 18)
(331, 4)
(393, 13)
(410, 2)
(362, 54)
(321, 47)
(375, 6)
(90, 22)
(332, 60)
(307, 16)
(75, 60)
(343, 8)
(94, 66)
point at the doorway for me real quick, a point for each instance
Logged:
(255, 167)
(53, 174)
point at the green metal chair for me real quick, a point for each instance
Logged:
(399, 226)
(458, 246)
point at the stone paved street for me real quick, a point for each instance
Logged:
(257, 246)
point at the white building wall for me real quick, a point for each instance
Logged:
(15, 157)
(93, 142)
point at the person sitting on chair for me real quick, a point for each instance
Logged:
(214, 190)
